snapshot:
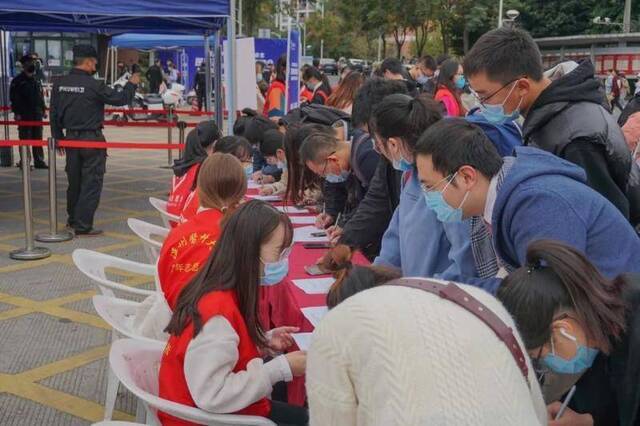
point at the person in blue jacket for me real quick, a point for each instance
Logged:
(531, 196)
(415, 241)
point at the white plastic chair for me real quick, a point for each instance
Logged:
(93, 264)
(116, 423)
(136, 364)
(161, 206)
(146, 231)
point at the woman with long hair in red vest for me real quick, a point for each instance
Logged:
(214, 357)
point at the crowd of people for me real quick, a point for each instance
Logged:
(498, 204)
(507, 193)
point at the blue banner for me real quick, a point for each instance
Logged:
(293, 69)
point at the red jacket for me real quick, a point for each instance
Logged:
(185, 250)
(172, 381)
(191, 207)
(181, 187)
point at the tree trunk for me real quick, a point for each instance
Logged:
(422, 34)
(465, 39)
(445, 41)
(399, 41)
(384, 45)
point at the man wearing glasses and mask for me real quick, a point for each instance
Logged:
(563, 109)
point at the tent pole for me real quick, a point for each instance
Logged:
(207, 72)
(231, 67)
(7, 153)
(217, 82)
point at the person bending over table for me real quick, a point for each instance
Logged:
(394, 355)
(579, 328)
(213, 359)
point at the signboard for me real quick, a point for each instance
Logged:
(264, 33)
(293, 69)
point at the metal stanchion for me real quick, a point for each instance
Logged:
(170, 135)
(29, 252)
(182, 125)
(53, 236)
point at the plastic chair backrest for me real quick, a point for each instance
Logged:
(146, 231)
(161, 206)
(93, 264)
(119, 314)
(136, 364)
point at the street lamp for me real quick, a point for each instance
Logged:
(512, 15)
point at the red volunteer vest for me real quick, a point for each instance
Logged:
(275, 84)
(181, 187)
(185, 250)
(172, 381)
(191, 207)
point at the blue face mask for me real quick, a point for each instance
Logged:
(460, 82)
(580, 362)
(342, 177)
(274, 272)
(248, 171)
(444, 212)
(495, 113)
(423, 79)
(281, 165)
(402, 165)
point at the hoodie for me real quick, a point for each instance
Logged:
(545, 197)
(569, 120)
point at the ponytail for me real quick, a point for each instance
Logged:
(404, 117)
(557, 278)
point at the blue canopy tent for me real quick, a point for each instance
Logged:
(196, 17)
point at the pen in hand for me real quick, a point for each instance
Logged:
(565, 404)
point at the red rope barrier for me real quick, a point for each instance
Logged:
(142, 111)
(117, 123)
(92, 144)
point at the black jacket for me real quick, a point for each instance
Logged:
(371, 219)
(568, 120)
(609, 390)
(27, 100)
(154, 73)
(345, 197)
(78, 100)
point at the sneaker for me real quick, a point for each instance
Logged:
(93, 232)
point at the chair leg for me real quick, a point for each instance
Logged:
(141, 414)
(112, 393)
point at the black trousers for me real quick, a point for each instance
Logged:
(284, 414)
(154, 86)
(32, 132)
(85, 172)
(200, 94)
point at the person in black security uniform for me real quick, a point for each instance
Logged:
(77, 106)
(27, 104)
(200, 85)
(154, 75)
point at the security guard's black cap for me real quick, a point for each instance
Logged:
(84, 51)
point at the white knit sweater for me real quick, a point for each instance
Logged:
(401, 356)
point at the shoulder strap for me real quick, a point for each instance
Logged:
(457, 295)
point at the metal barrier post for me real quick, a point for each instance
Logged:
(53, 236)
(170, 135)
(182, 125)
(29, 252)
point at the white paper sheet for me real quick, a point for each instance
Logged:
(315, 285)
(315, 314)
(303, 340)
(303, 235)
(303, 220)
(266, 197)
(292, 210)
(253, 185)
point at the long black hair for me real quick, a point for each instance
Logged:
(448, 71)
(281, 69)
(558, 278)
(405, 117)
(234, 264)
(299, 176)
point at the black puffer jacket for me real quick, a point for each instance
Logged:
(568, 119)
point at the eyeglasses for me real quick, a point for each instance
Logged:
(539, 367)
(431, 188)
(482, 100)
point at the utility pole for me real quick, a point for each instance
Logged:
(500, 8)
(626, 22)
(322, 39)
(240, 17)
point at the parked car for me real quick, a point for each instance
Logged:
(329, 66)
(357, 64)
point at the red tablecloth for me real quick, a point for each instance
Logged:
(281, 304)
